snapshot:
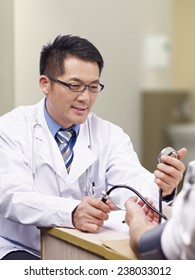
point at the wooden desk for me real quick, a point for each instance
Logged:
(72, 244)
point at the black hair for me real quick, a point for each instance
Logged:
(53, 54)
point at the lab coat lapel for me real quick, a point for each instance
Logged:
(83, 155)
(51, 155)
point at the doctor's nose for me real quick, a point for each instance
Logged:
(85, 94)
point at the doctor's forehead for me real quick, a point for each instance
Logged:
(74, 66)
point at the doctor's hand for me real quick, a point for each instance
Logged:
(91, 213)
(140, 218)
(169, 172)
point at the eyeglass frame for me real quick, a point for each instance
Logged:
(76, 91)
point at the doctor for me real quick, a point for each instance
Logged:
(36, 188)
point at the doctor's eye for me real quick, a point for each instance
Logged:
(76, 87)
(80, 87)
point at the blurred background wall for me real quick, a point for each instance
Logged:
(148, 51)
(183, 46)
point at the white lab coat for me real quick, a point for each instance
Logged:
(48, 198)
(178, 236)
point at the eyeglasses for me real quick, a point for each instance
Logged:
(80, 87)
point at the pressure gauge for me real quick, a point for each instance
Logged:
(168, 151)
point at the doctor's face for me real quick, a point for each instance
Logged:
(67, 107)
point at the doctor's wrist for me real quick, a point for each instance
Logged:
(73, 218)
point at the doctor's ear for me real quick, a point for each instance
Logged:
(44, 83)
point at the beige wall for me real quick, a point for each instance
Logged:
(6, 56)
(117, 28)
(183, 44)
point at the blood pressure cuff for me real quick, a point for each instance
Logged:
(150, 244)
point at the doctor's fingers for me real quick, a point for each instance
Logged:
(168, 177)
(169, 174)
(88, 223)
(182, 153)
(111, 205)
(95, 203)
(169, 164)
(166, 184)
(91, 208)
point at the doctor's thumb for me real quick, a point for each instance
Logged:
(182, 153)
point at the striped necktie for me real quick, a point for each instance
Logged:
(63, 140)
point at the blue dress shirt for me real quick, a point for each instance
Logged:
(54, 127)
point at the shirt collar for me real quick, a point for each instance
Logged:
(54, 126)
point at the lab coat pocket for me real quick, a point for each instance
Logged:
(89, 186)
